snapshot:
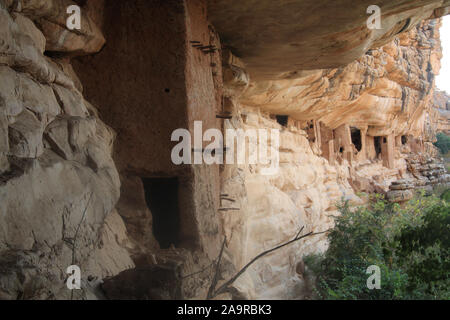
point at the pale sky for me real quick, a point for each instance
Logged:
(443, 80)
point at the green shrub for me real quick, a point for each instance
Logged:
(443, 142)
(424, 252)
(409, 244)
(446, 195)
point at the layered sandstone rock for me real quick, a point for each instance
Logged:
(441, 114)
(280, 40)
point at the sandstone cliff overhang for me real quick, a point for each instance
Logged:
(276, 39)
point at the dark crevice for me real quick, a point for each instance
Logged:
(406, 26)
(282, 120)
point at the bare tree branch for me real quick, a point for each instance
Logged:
(226, 286)
(216, 274)
(200, 271)
(76, 235)
(300, 231)
(78, 229)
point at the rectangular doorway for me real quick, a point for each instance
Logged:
(161, 195)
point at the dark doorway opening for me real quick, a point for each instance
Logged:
(377, 141)
(161, 195)
(404, 140)
(282, 120)
(356, 138)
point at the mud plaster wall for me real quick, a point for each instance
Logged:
(204, 101)
(138, 81)
(153, 82)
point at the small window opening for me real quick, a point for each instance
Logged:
(356, 138)
(384, 140)
(161, 195)
(404, 140)
(282, 120)
(377, 142)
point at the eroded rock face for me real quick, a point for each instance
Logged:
(441, 116)
(278, 40)
(58, 183)
(387, 90)
(303, 193)
(427, 172)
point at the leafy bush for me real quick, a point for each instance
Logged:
(424, 251)
(409, 244)
(446, 195)
(443, 142)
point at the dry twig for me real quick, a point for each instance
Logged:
(212, 292)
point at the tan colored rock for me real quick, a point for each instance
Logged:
(9, 101)
(57, 175)
(27, 27)
(134, 210)
(19, 51)
(51, 16)
(111, 255)
(400, 195)
(441, 114)
(68, 136)
(384, 91)
(304, 192)
(71, 101)
(25, 136)
(279, 40)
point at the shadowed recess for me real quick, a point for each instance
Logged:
(161, 195)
